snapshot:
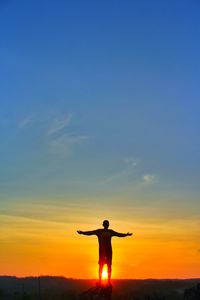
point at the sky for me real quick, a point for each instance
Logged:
(99, 119)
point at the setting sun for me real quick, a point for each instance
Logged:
(105, 273)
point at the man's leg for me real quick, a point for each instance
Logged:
(100, 272)
(109, 271)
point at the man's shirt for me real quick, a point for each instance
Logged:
(104, 238)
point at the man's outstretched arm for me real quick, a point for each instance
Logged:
(118, 234)
(92, 232)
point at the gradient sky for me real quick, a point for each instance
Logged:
(99, 118)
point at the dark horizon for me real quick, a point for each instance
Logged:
(114, 279)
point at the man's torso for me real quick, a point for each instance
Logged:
(105, 246)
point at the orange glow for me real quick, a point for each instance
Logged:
(158, 249)
(105, 273)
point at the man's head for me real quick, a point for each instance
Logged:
(106, 224)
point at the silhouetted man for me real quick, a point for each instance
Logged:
(105, 248)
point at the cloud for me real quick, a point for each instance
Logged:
(25, 122)
(149, 178)
(60, 139)
(117, 176)
(54, 131)
(59, 124)
(63, 144)
(131, 163)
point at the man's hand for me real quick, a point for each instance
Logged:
(129, 233)
(80, 232)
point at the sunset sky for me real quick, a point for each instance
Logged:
(100, 119)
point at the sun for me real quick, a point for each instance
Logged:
(104, 273)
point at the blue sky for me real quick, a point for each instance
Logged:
(100, 101)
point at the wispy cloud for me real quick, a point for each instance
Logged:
(63, 144)
(149, 178)
(55, 131)
(60, 138)
(131, 163)
(25, 122)
(130, 170)
(59, 124)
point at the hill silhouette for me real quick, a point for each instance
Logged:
(57, 288)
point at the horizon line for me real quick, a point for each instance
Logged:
(114, 279)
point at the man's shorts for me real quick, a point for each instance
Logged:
(104, 260)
